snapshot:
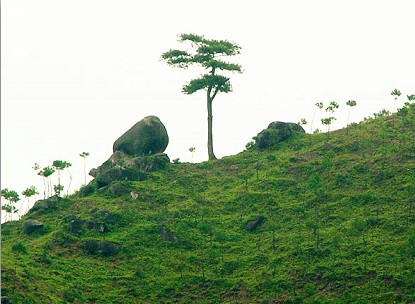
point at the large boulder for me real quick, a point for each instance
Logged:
(137, 151)
(277, 132)
(148, 136)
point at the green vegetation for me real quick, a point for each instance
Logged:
(27, 193)
(60, 165)
(84, 155)
(46, 173)
(11, 197)
(192, 150)
(351, 104)
(208, 54)
(318, 219)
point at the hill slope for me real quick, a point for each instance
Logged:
(323, 218)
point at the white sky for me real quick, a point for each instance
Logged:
(77, 74)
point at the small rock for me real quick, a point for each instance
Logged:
(95, 247)
(252, 225)
(134, 195)
(31, 226)
(167, 235)
(118, 190)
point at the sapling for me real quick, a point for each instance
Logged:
(350, 103)
(84, 155)
(70, 181)
(60, 165)
(396, 93)
(46, 173)
(332, 107)
(245, 176)
(57, 188)
(36, 167)
(319, 106)
(327, 122)
(192, 150)
(12, 197)
(258, 167)
(29, 192)
(302, 122)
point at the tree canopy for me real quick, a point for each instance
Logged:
(207, 53)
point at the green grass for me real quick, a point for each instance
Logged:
(339, 227)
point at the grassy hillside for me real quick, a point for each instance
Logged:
(322, 218)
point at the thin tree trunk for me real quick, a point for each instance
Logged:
(70, 181)
(44, 187)
(210, 136)
(85, 171)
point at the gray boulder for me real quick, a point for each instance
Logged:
(121, 166)
(252, 225)
(104, 248)
(137, 151)
(31, 226)
(148, 136)
(46, 205)
(277, 132)
(118, 173)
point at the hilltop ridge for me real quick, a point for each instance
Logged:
(318, 218)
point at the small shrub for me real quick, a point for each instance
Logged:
(19, 247)
(293, 159)
(72, 295)
(88, 189)
(271, 157)
(250, 145)
(109, 249)
(91, 247)
(61, 238)
(206, 165)
(309, 289)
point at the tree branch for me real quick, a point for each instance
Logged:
(214, 93)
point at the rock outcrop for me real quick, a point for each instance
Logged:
(277, 132)
(137, 151)
(148, 136)
(46, 205)
(31, 226)
(121, 166)
(103, 248)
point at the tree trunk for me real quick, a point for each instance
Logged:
(210, 137)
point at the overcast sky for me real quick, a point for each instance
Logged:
(77, 74)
